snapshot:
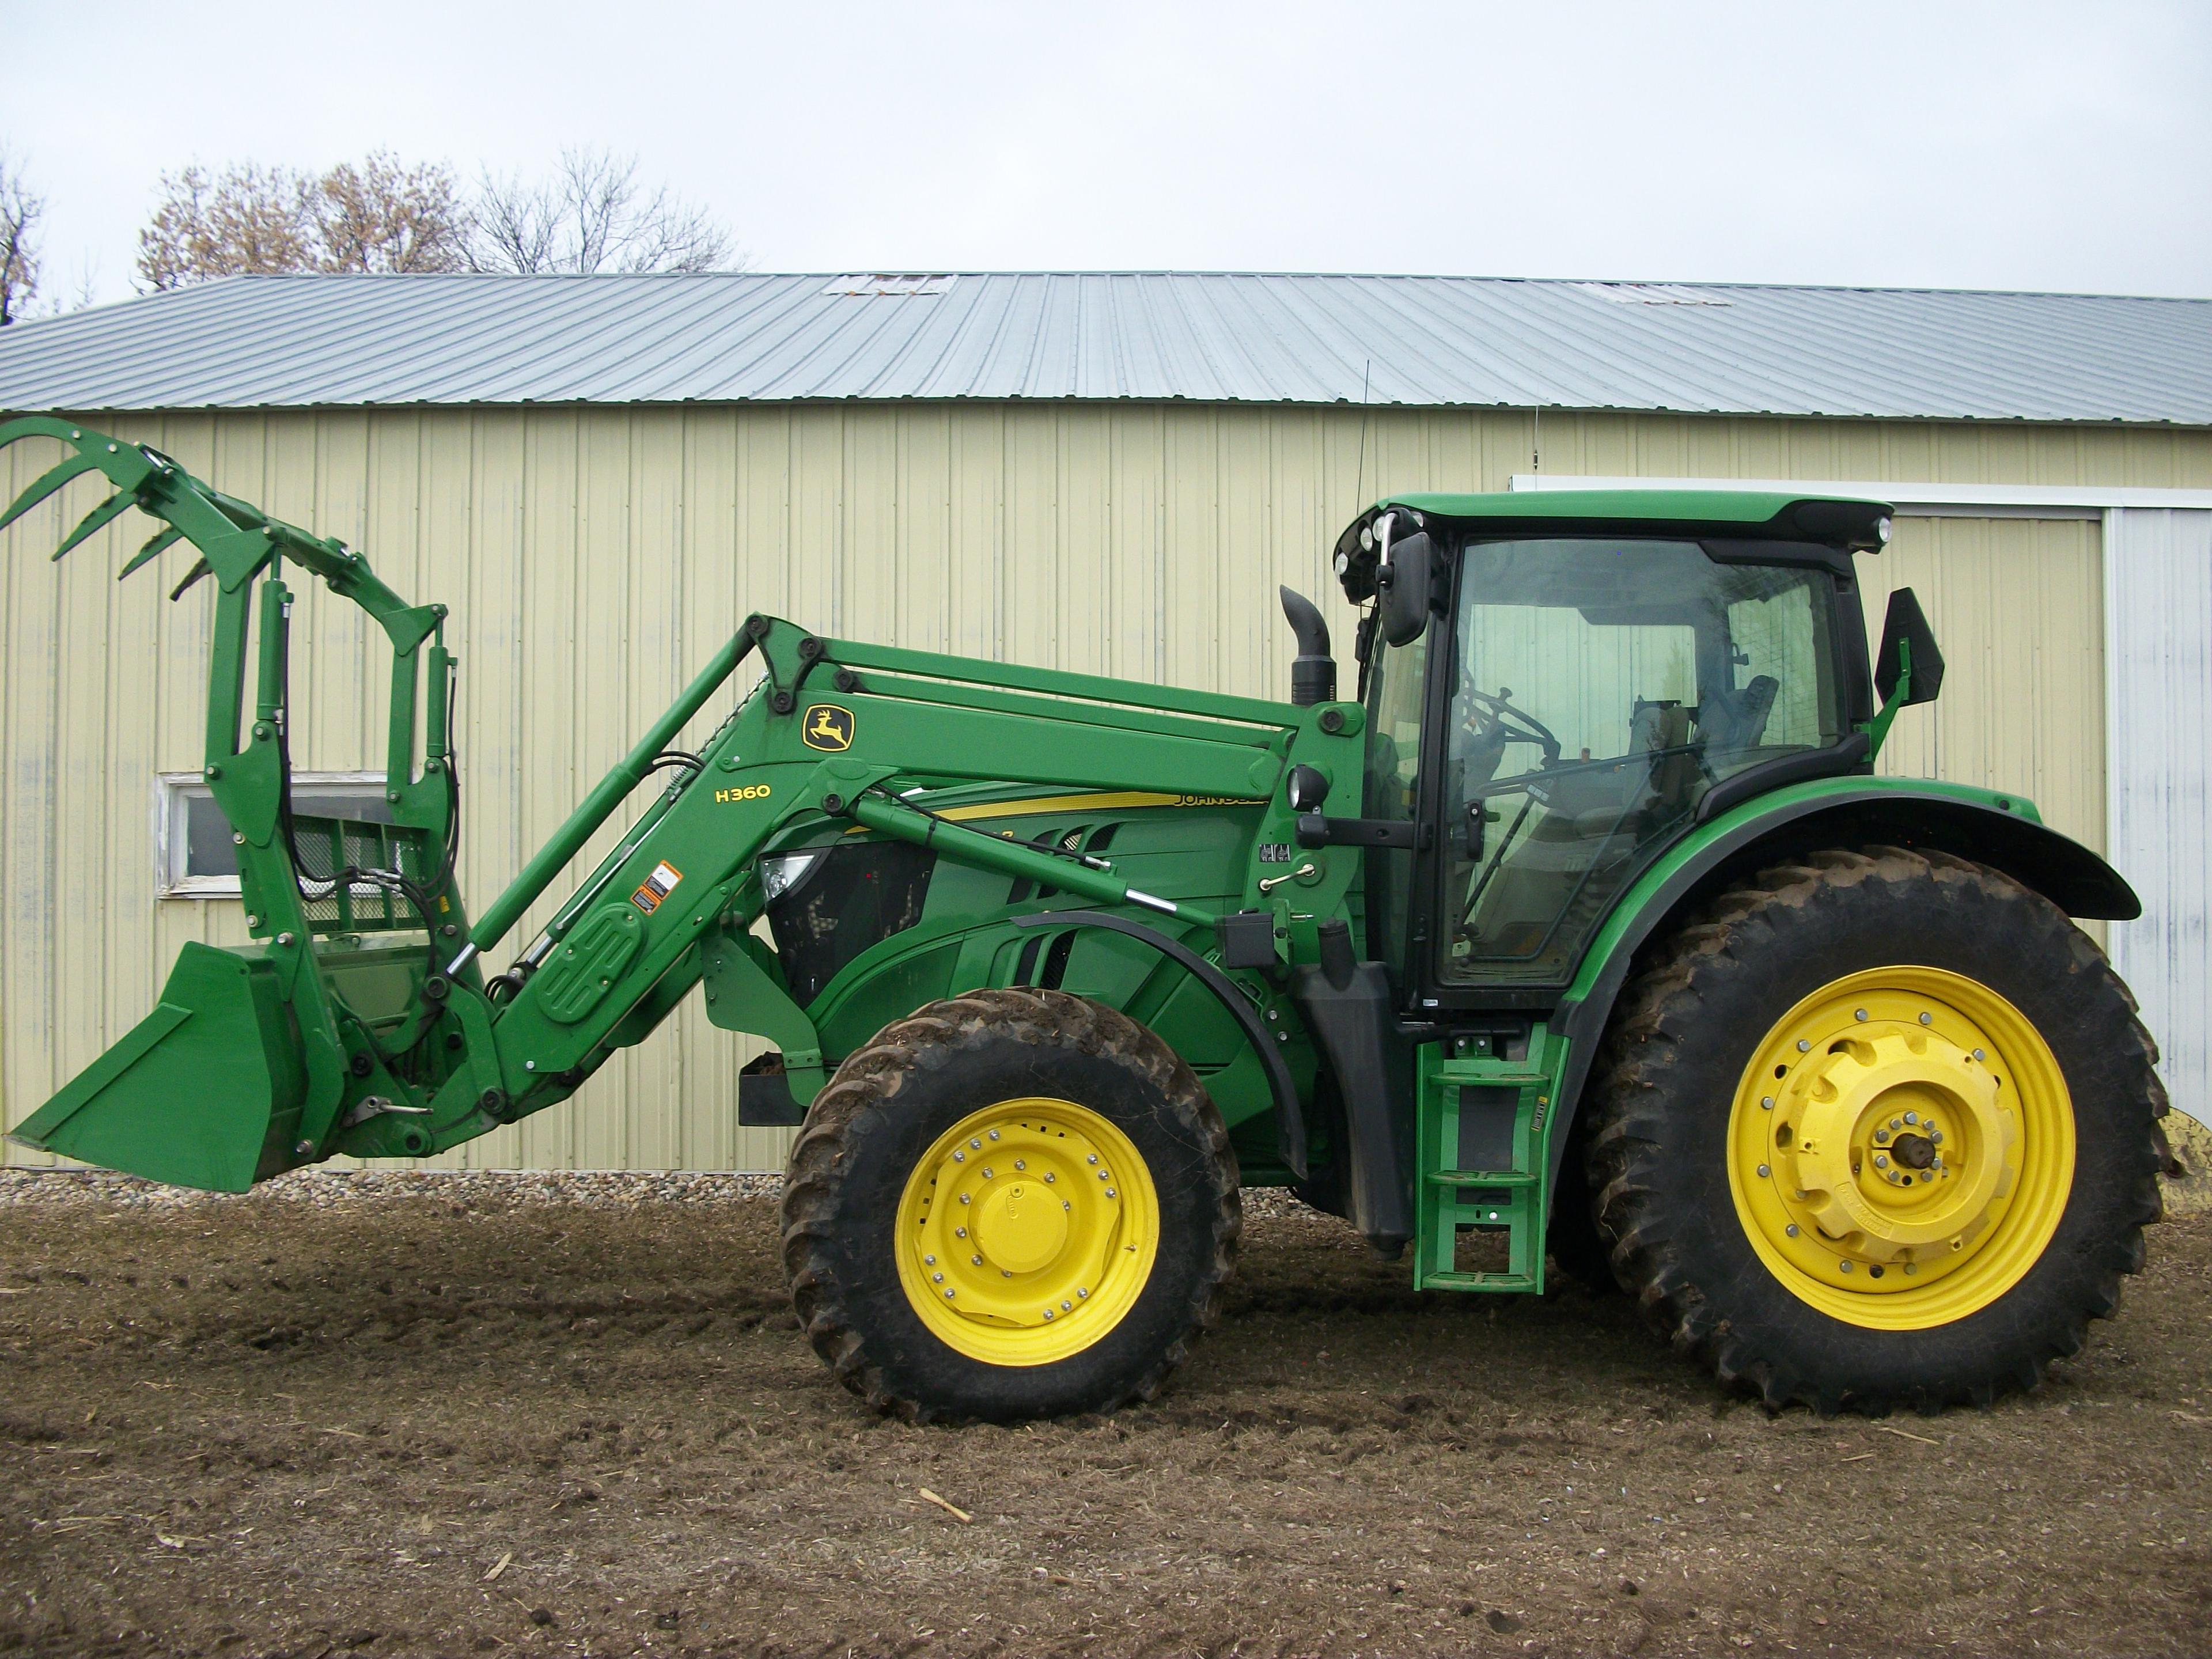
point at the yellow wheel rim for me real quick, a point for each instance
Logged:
(1901, 1148)
(1027, 1231)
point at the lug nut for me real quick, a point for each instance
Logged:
(1110, 1193)
(1021, 1164)
(975, 1144)
(1766, 1102)
(1047, 1312)
(929, 1262)
(1843, 1266)
(1083, 1291)
(960, 1232)
(959, 1157)
(1791, 1230)
(1049, 1177)
(1927, 1020)
(1764, 1171)
(1882, 1160)
(1859, 1014)
(1881, 1136)
(988, 1172)
(1978, 1055)
(1092, 1158)
(964, 1198)
(1912, 1117)
(937, 1278)
(948, 1296)
(994, 1134)
(1803, 1047)
(1067, 1307)
(975, 1260)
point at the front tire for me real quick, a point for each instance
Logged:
(1881, 1130)
(1014, 1204)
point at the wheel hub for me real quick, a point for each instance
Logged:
(1027, 1231)
(1020, 1226)
(1862, 1127)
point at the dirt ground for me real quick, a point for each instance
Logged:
(433, 1414)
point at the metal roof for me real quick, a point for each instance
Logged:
(264, 341)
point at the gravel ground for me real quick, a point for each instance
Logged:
(429, 1414)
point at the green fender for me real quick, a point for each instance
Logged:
(2003, 830)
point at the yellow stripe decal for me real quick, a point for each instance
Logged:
(1097, 803)
(1109, 802)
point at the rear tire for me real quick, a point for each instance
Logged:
(1092, 1264)
(1915, 1271)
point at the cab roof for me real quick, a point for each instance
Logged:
(1848, 524)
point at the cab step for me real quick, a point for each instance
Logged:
(1480, 1124)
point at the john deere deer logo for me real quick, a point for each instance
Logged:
(827, 726)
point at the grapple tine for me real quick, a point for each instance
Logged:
(154, 544)
(45, 486)
(98, 520)
(199, 569)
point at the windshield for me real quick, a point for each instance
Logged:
(1601, 688)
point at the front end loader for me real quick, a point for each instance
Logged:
(1639, 968)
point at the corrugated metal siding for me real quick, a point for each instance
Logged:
(2159, 584)
(1471, 342)
(2017, 605)
(594, 557)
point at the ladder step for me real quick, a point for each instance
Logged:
(1466, 1073)
(1480, 1178)
(1456, 1281)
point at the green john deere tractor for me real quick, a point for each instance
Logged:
(1584, 929)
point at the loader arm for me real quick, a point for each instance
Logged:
(361, 1021)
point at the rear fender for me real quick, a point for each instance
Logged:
(2003, 831)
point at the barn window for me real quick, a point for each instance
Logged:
(194, 856)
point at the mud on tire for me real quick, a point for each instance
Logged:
(894, 1097)
(1680, 1044)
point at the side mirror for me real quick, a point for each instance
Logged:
(1908, 652)
(1401, 582)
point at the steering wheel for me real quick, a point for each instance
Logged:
(1507, 724)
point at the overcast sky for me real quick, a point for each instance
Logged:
(2015, 145)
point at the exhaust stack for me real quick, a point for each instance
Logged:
(1313, 673)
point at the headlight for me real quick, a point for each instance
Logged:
(780, 875)
(1881, 529)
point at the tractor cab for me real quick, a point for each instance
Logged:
(1559, 686)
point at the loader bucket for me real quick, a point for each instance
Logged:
(205, 1092)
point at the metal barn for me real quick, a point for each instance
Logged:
(1106, 473)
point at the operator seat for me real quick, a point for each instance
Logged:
(1734, 720)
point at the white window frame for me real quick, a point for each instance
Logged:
(173, 789)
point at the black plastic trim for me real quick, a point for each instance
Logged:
(1836, 760)
(1279, 1081)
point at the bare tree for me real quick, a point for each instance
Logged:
(593, 215)
(382, 217)
(20, 210)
